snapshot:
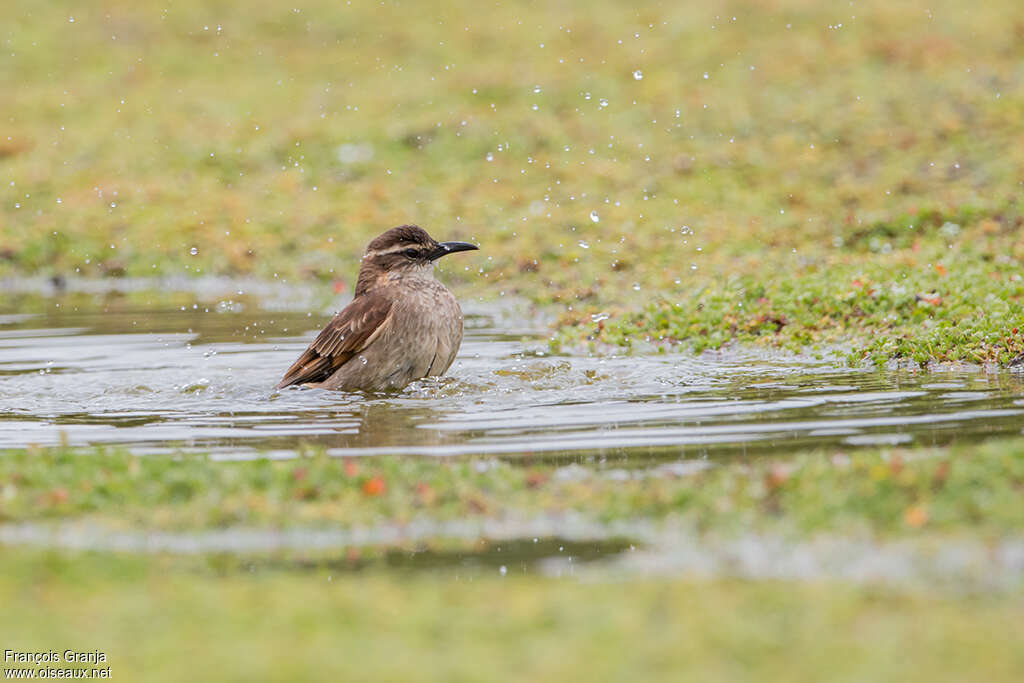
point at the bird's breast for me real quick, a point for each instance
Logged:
(425, 331)
(428, 312)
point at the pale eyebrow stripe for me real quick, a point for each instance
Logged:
(393, 250)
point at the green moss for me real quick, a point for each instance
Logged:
(914, 309)
(962, 489)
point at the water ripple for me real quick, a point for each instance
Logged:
(164, 381)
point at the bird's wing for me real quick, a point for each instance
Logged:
(351, 331)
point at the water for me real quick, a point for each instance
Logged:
(200, 379)
(94, 368)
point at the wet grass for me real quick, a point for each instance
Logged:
(787, 173)
(972, 490)
(304, 617)
(157, 620)
(921, 312)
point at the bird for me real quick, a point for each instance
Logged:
(401, 325)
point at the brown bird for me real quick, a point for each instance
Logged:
(401, 325)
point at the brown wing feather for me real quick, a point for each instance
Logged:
(347, 334)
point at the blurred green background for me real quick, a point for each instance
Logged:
(279, 139)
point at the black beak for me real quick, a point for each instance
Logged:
(445, 248)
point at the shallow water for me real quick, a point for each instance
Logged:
(163, 380)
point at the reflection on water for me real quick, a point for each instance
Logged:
(503, 557)
(201, 379)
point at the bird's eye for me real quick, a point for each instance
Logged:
(411, 253)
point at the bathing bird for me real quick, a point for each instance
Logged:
(401, 325)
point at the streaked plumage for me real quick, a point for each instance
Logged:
(401, 325)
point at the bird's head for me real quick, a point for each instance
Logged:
(405, 250)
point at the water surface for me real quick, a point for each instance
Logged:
(200, 377)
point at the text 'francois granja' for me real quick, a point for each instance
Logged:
(54, 657)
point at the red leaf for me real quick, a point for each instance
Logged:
(375, 486)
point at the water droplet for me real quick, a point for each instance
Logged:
(603, 102)
(594, 217)
(583, 245)
(636, 286)
(536, 90)
(490, 156)
(503, 570)
(193, 251)
(598, 317)
(706, 75)
(638, 75)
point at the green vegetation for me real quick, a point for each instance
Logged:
(962, 489)
(304, 615)
(922, 313)
(158, 621)
(747, 166)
